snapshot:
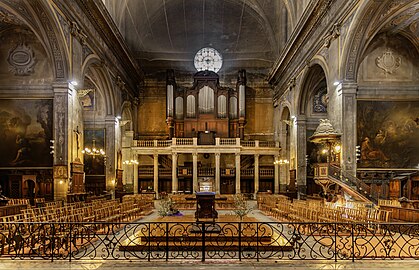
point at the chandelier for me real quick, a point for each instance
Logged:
(94, 151)
(131, 162)
(281, 162)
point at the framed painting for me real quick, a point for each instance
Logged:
(25, 132)
(388, 133)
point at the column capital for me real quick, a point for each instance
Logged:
(217, 154)
(194, 154)
(257, 155)
(238, 154)
(301, 120)
(175, 155)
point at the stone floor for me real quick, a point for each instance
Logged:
(289, 265)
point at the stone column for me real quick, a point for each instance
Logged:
(195, 172)
(135, 179)
(156, 174)
(62, 94)
(349, 128)
(170, 106)
(175, 183)
(301, 155)
(110, 164)
(256, 174)
(277, 186)
(241, 88)
(238, 173)
(128, 174)
(283, 171)
(217, 173)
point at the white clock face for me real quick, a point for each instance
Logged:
(208, 59)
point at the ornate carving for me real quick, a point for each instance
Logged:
(78, 33)
(320, 101)
(388, 62)
(325, 128)
(6, 17)
(59, 103)
(356, 43)
(291, 84)
(49, 29)
(60, 172)
(83, 92)
(21, 60)
(64, 26)
(393, 5)
(120, 83)
(333, 34)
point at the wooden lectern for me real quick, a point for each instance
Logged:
(205, 205)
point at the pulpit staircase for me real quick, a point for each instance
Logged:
(330, 173)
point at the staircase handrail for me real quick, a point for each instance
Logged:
(336, 173)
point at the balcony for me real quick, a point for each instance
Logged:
(194, 142)
(191, 145)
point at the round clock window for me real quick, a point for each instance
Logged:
(208, 59)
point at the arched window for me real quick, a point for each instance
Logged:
(179, 108)
(190, 106)
(222, 106)
(206, 100)
(233, 107)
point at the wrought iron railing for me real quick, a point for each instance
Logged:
(207, 240)
(336, 173)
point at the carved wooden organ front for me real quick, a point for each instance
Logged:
(206, 107)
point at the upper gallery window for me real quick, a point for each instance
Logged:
(208, 59)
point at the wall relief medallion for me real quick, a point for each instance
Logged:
(21, 60)
(388, 62)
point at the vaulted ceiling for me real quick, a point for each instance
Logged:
(167, 33)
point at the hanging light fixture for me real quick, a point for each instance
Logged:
(131, 162)
(94, 151)
(281, 162)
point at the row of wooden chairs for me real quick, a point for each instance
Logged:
(32, 234)
(315, 211)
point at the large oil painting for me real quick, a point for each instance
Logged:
(388, 134)
(25, 132)
(94, 164)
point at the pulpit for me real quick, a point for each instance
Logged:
(205, 206)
